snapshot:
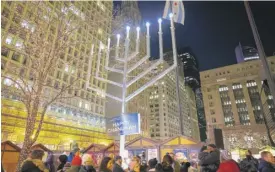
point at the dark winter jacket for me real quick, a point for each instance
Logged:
(117, 168)
(33, 165)
(49, 163)
(87, 168)
(249, 165)
(209, 162)
(266, 166)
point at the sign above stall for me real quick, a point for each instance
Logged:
(126, 124)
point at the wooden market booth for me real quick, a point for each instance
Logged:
(9, 155)
(96, 151)
(111, 150)
(183, 147)
(143, 144)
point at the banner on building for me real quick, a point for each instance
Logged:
(127, 124)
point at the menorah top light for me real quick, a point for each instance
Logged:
(159, 20)
(171, 15)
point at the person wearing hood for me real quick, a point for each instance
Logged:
(87, 165)
(227, 163)
(34, 163)
(266, 162)
(209, 158)
(249, 163)
(62, 159)
(75, 164)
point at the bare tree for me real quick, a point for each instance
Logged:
(46, 34)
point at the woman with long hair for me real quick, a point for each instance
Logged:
(167, 162)
(106, 165)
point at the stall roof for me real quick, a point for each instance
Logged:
(41, 146)
(141, 142)
(115, 145)
(96, 147)
(179, 140)
(12, 145)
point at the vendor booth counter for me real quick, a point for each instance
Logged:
(98, 151)
(142, 144)
(184, 148)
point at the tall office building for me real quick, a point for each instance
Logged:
(81, 118)
(165, 120)
(235, 101)
(245, 53)
(192, 79)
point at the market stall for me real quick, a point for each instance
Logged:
(141, 144)
(184, 148)
(112, 150)
(96, 151)
(9, 155)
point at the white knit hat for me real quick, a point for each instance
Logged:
(225, 155)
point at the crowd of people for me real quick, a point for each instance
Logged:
(210, 159)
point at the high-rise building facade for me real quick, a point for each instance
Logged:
(192, 79)
(235, 101)
(166, 121)
(245, 53)
(80, 118)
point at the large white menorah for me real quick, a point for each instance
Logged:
(126, 71)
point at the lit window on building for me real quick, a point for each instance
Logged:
(255, 100)
(226, 106)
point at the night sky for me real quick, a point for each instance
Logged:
(213, 29)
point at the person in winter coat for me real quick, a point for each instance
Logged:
(34, 163)
(209, 158)
(87, 165)
(227, 163)
(75, 164)
(49, 162)
(62, 159)
(106, 165)
(266, 162)
(249, 164)
(176, 165)
(117, 165)
(152, 164)
(167, 163)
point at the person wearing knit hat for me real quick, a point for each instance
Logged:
(75, 164)
(88, 165)
(227, 163)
